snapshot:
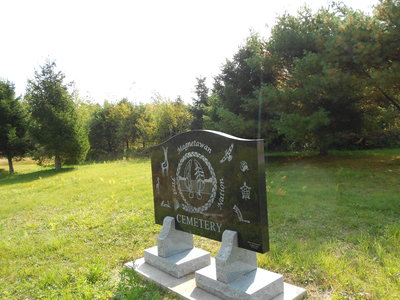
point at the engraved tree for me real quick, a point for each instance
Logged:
(199, 175)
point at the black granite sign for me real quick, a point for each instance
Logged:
(210, 182)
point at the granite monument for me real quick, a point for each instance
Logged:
(211, 182)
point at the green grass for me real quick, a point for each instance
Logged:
(334, 227)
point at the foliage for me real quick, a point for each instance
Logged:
(297, 128)
(170, 118)
(319, 79)
(199, 103)
(55, 124)
(13, 125)
(146, 125)
(114, 129)
(126, 116)
(364, 46)
(118, 130)
(235, 106)
(85, 108)
(103, 132)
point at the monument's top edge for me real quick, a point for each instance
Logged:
(218, 133)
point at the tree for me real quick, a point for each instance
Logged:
(170, 118)
(103, 133)
(114, 129)
(126, 116)
(319, 105)
(320, 80)
(55, 125)
(85, 107)
(319, 101)
(146, 125)
(368, 47)
(238, 105)
(13, 125)
(199, 103)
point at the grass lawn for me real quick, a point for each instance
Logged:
(334, 227)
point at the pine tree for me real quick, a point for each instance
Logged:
(55, 122)
(199, 102)
(13, 125)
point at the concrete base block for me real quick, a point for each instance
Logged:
(257, 284)
(185, 287)
(171, 241)
(179, 264)
(231, 261)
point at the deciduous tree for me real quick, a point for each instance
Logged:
(170, 117)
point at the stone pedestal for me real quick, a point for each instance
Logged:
(175, 253)
(233, 262)
(186, 271)
(235, 275)
(185, 287)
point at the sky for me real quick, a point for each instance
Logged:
(134, 49)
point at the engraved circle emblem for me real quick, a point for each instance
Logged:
(196, 182)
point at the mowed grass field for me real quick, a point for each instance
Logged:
(334, 227)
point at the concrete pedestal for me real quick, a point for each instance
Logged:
(175, 253)
(179, 264)
(185, 287)
(257, 284)
(191, 273)
(235, 274)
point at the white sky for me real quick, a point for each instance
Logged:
(114, 49)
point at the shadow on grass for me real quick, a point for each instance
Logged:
(7, 179)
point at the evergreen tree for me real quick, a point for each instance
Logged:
(235, 106)
(199, 103)
(368, 48)
(13, 125)
(319, 103)
(56, 126)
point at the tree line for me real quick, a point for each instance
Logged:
(51, 122)
(322, 80)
